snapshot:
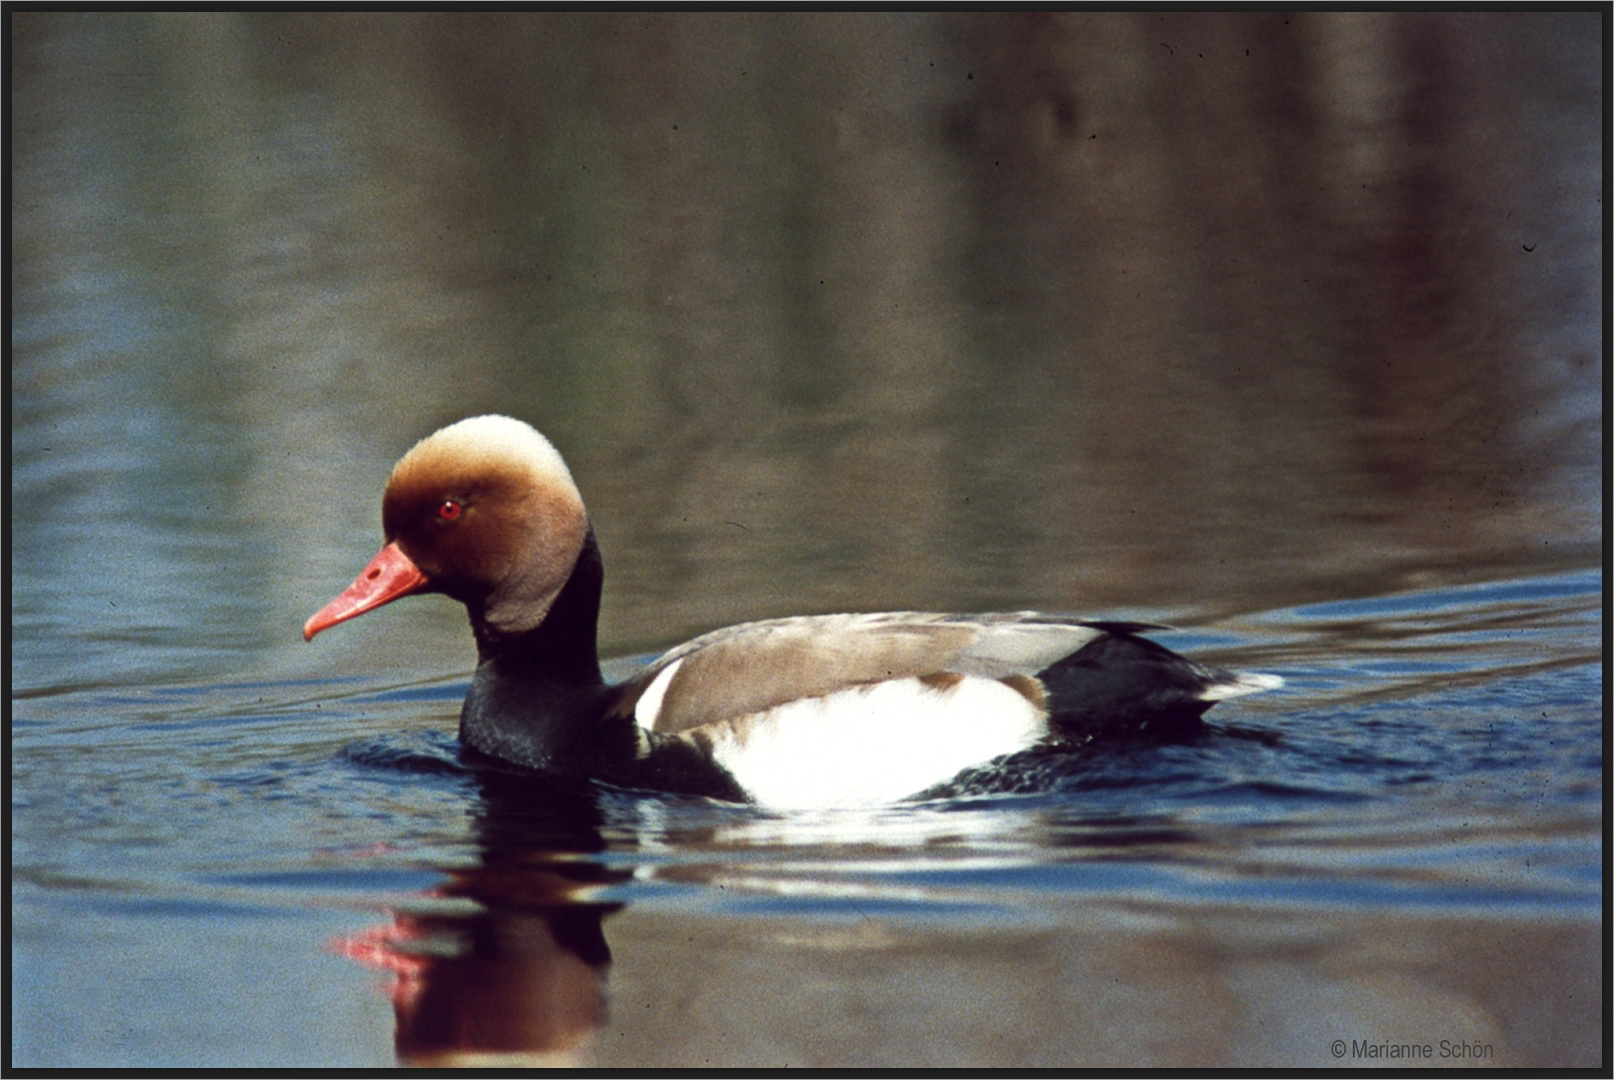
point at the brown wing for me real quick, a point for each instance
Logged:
(749, 668)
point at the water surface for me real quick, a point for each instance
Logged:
(1284, 330)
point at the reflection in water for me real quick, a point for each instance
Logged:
(1152, 314)
(1068, 311)
(818, 910)
(515, 972)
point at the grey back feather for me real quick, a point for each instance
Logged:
(748, 668)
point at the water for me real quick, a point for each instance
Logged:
(1283, 330)
(1437, 780)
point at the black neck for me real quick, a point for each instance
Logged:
(537, 698)
(561, 649)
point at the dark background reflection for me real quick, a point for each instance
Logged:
(1086, 312)
(1198, 318)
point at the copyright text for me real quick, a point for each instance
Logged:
(1444, 1050)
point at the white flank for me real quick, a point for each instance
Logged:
(649, 705)
(1239, 685)
(875, 744)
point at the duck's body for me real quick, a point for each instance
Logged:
(814, 711)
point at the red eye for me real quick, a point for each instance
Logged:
(450, 510)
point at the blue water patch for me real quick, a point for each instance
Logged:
(424, 752)
(454, 692)
(182, 906)
(1449, 768)
(352, 876)
(1585, 583)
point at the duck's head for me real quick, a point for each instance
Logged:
(484, 511)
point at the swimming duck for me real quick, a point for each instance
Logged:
(827, 710)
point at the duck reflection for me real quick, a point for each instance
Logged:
(506, 962)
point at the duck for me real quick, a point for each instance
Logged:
(813, 711)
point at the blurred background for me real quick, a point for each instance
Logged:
(1093, 313)
(1283, 328)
